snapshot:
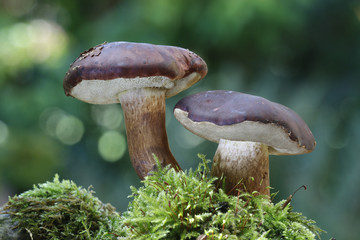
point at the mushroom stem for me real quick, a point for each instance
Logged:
(144, 112)
(244, 165)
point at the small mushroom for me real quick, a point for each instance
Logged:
(248, 128)
(139, 76)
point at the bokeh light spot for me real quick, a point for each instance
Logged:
(69, 130)
(108, 116)
(112, 146)
(49, 119)
(26, 43)
(4, 132)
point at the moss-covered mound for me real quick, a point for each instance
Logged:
(58, 210)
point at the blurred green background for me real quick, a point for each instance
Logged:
(303, 54)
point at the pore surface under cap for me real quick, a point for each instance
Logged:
(127, 65)
(243, 117)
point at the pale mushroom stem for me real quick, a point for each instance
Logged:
(244, 165)
(144, 112)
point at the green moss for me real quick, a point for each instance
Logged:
(171, 205)
(61, 210)
(178, 205)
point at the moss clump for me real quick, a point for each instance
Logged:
(178, 205)
(60, 210)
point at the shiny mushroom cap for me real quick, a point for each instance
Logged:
(99, 74)
(235, 116)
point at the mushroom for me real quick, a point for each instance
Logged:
(139, 76)
(248, 128)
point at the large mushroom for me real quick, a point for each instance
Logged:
(248, 128)
(139, 76)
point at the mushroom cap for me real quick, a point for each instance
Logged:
(235, 116)
(99, 74)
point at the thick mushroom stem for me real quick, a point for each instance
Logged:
(244, 165)
(144, 112)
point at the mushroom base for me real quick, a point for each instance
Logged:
(144, 113)
(244, 166)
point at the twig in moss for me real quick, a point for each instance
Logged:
(288, 200)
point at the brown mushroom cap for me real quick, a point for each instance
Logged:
(99, 74)
(235, 116)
